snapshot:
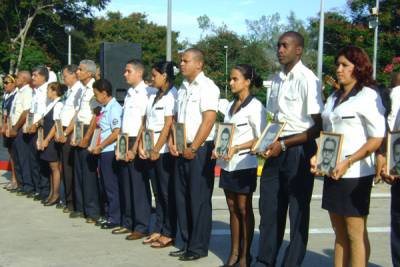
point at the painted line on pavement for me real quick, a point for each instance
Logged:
(316, 196)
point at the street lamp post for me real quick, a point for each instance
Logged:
(169, 31)
(226, 71)
(68, 30)
(374, 23)
(321, 40)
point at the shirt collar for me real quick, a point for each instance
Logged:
(43, 87)
(109, 104)
(75, 87)
(134, 90)
(23, 87)
(89, 84)
(196, 80)
(296, 70)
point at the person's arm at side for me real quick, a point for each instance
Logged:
(49, 137)
(21, 121)
(171, 143)
(163, 138)
(86, 138)
(109, 140)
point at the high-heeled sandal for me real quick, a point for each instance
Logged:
(151, 238)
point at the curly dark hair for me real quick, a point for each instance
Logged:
(362, 65)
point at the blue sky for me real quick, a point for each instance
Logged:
(231, 12)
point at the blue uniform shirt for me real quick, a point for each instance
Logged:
(110, 119)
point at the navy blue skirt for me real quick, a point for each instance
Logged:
(240, 181)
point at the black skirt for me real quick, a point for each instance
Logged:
(7, 142)
(347, 196)
(52, 152)
(240, 181)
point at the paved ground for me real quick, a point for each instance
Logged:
(33, 235)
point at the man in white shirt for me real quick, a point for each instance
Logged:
(19, 110)
(136, 209)
(394, 99)
(67, 115)
(85, 164)
(39, 170)
(286, 181)
(194, 170)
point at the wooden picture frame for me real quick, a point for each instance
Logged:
(148, 141)
(96, 138)
(8, 126)
(223, 141)
(393, 153)
(180, 137)
(270, 134)
(40, 138)
(59, 128)
(78, 132)
(28, 122)
(329, 152)
(122, 146)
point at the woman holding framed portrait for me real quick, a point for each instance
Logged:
(158, 120)
(356, 112)
(239, 166)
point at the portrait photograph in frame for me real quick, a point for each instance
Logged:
(393, 153)
(122, 146)
(148, 141)
(224, 138)
(8, 125)
(270, 134)
(180, 137)
(59, 128)
(78, 132)
(28, 122)
(329, 151)
(40, 138)
(95, 138)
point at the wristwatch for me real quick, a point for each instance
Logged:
(65, 134)
(193, 150)
(283, 146)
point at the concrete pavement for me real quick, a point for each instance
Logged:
(34, 235)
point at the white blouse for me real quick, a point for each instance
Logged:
(250, 120)
(358, 118)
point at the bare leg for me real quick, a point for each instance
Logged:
(359, 243)
(55, 181)
(247, 227)
(231, 200)
(342, 245)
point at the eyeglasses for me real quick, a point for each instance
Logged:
(6, 82)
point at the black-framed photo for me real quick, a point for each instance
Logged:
(28, 122)
(148, 141)
(393, 153)
(78, 132)
(59, 128)
(270, 134)
(8, 125)
(95, 138)
(122, 146)
(224, 138)
(180, 137)
(40, 138)
(329, 151)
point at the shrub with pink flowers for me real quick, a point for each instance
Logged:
(394, 66)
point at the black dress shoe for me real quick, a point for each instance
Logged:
(100, 221)
(30, 195)
(177, 253)
(190, 256)
(76, 214)
(108, 225)
(37, 197)
(60, 205)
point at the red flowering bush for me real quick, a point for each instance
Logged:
(394, 66)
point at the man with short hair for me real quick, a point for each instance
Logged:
(85, 164)
(327, 163)
(19, 110)
(67, 115)
(286, 181)
(194, 170)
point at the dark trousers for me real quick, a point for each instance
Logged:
(86, 183)
(286, 183)
(21, 159)
(194, 183)
(40, 170)
(395, 224)
(136, 195)
(67, 159)
(109, 178)
(161, 172)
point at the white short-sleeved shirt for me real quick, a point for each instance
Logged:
(57, 111)
(39, 102)
(22, 101)
(193, 99)
(395, 106)
(134, 108)
(87, 103)
(293, 98)
(71, 103)
(250, 121)
(156, 113)
(358, 118)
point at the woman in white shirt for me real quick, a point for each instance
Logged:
(355, 111)
(51, 150)
(159, 118)
(239, 167)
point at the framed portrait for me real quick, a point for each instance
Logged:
(393, 153)
(328, 153)
(59, 128)
(8, 125)
(224, 138)
(270, 134)
(78, 132)
(40, 138)
(148, 141)
(122, 146)
(180, 137)
(28, 122)
(95, 138)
